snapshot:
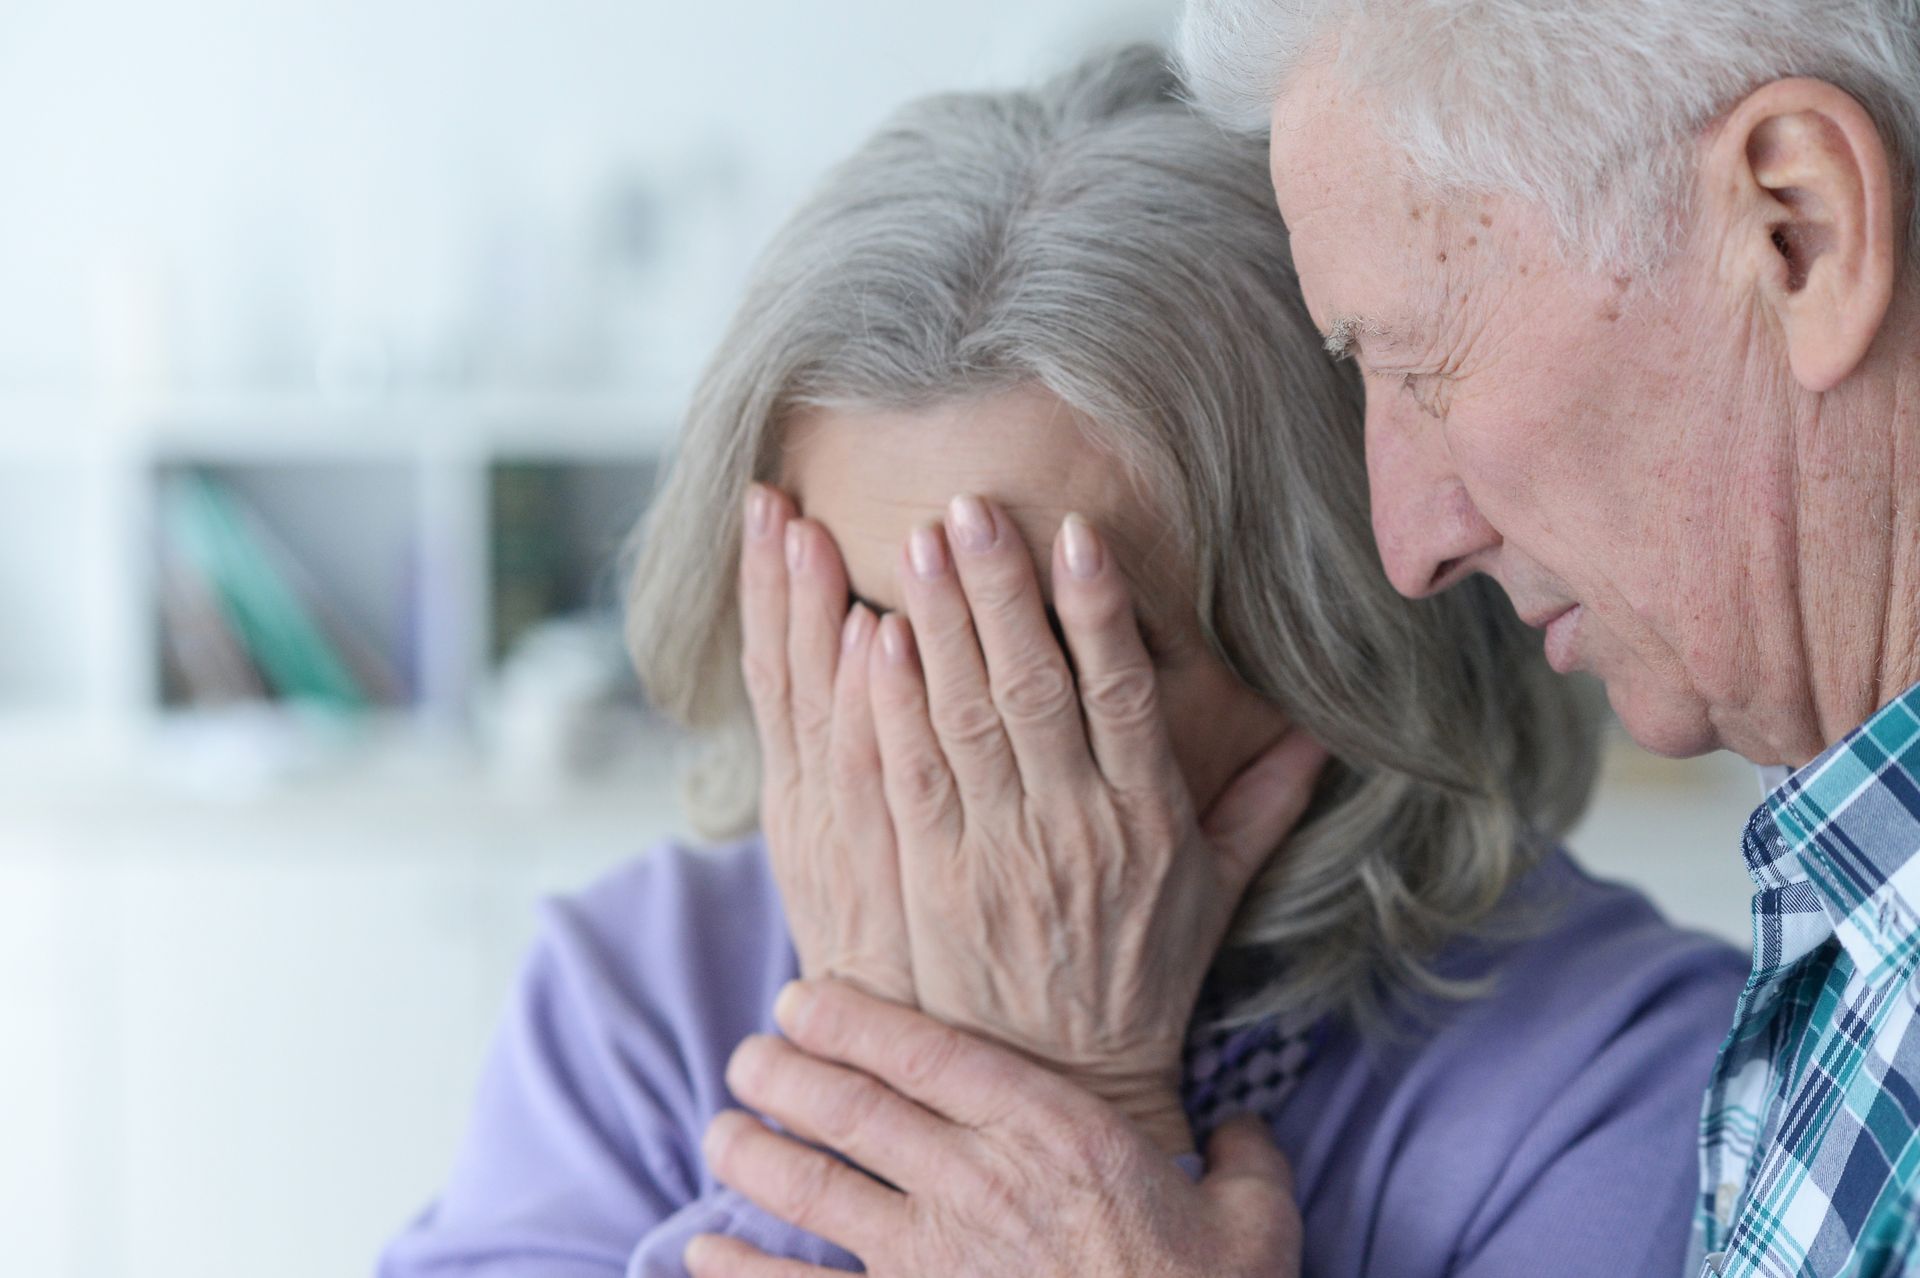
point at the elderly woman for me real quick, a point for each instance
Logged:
(1075, 305)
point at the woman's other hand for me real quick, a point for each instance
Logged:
(1061, 895)
(823, 811)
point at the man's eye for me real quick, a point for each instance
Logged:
(1429, 392)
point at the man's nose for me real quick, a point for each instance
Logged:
(1430, 533)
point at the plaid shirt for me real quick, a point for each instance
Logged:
(1810, 1136)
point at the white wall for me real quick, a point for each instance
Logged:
(214, 190)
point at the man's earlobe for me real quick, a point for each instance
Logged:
(1812, 202)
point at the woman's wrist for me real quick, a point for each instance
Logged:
(1156, 1111)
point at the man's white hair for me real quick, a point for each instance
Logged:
(1588, 107)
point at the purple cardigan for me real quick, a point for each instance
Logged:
(1548, 1126)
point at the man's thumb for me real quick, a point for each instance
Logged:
(1242, 1159)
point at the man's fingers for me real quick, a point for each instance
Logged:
(921, 793)
(806, 1188)
(816, 611)
(959, 699)
(846, 1111)
(964, 1079)
(718, 1256)
(1262, 805)
(1029, 682)
(1119, 689)
(763, 626)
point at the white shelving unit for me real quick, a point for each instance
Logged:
(355, 487)
(247, 1013)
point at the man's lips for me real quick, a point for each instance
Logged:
(1563, 633)
(1540, 620)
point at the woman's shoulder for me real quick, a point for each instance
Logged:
(681, 948)
(1570, 966)
(1563, 1097)
(675, 892)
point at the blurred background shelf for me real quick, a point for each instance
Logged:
(397, 520)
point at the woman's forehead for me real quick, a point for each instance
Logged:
(872, 476)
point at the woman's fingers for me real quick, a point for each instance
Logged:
(959, 700)
(920, 791)
(1030, 685)
(1119, 689)
(805, 1187)
(763, 628)
(870, 909)
(846, 1111)
(816, 613)
(1260, 807)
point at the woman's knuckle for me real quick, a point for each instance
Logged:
(967, 722)
(998, 593)
(848, 769)
(766, 678)
(1037, 690)
(812, 718)
(1129, 695)
(922, 781)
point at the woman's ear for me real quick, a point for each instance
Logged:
(1803, 184)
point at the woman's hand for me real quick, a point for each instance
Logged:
(1061, 896)
(994, 1168)
(805, 658)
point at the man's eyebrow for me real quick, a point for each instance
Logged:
(1342, 339)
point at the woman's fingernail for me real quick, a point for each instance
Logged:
(759, 511)
(854, 633)
(796, 547)
(972, 523)
(926, 554)
(1084, 557)
(896, 642)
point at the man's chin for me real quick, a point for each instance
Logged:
(1674, 727)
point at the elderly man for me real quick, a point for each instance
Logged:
(1633, 287)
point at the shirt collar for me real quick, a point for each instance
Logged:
(1847, 826)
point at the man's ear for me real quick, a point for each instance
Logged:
(1803, 181)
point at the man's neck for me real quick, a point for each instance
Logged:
(1860, 541)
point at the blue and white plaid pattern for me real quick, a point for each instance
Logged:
(1810, 1135)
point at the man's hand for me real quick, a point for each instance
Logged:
(991, 1166)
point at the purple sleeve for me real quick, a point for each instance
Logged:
(582, 1159)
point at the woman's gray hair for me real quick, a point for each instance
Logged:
(1588, 108)
(1099, 238)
